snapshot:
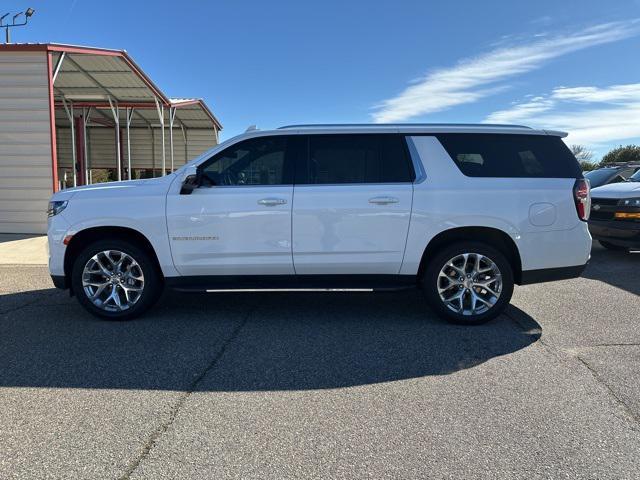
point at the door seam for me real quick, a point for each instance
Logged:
(406, 238)
(293, 199)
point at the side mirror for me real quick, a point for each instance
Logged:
(189, 185)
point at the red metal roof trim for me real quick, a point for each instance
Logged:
(58, 47)
(200, 102)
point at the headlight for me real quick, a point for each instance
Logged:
(56, 207)
(630, 202)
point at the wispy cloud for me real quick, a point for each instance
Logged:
(592, 115)
(524, 110)
(544, 20)
(612, 94)
(475, 78)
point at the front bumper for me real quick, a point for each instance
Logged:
(618, 232)
(58, 228)
(59, 281)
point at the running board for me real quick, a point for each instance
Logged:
(288, 283)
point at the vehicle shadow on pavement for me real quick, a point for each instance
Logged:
(244, 342)
(614, 268)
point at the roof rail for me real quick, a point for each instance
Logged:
(347, 125)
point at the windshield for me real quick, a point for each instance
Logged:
(635, 177)
(598, 177)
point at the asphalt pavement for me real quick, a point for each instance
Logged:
(323, 385)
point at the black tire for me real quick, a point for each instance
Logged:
(151, 290)
(437, 263)
(613, 247)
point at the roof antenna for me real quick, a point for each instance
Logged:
(252, 128)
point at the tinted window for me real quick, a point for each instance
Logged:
(626, 172)
(258, 161)
(598, 177)
(335, 159)
(506, 155)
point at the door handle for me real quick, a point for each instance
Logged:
(271, 202)
(383, 200)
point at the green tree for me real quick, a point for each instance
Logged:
(587, 166)
(584, 156)
(629, 153)
(100, 175)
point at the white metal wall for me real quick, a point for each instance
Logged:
(198, 141)
(25, 143)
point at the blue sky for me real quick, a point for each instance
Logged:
(572, 65)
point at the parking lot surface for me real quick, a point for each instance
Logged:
(323, 385)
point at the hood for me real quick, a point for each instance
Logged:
(114, 187)
(617, 190)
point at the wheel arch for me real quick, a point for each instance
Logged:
(85, 237)
(494, 237)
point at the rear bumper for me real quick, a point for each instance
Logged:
(551, 274)
(617, 232)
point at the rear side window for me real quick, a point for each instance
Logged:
(345, 158)
(507, 155)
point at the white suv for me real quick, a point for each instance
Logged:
(461, 211)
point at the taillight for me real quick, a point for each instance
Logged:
(582, 197)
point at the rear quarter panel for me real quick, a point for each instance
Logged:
(537, 213)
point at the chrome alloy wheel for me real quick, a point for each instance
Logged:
(470, 284)
(113, 280)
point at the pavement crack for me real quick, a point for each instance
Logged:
(612, 392)
(563, 353)
(175, 409)
(25, 304)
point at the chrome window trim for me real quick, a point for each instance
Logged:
(245, 186)
(306, 185)
(350, 184)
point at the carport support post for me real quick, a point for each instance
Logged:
(116, 119)
(129, 115)
(160, 108)
(153, 150)
(85, 120)
(69, 110)
(80, 144)
(172, 116)
(184, 137)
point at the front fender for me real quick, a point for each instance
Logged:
(146, 215)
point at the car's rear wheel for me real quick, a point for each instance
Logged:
(468, 282)
(115, 280)
(612, 246)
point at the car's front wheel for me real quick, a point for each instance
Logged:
(468, 282)
(115, 280)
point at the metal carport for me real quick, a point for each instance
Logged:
(92, 115)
